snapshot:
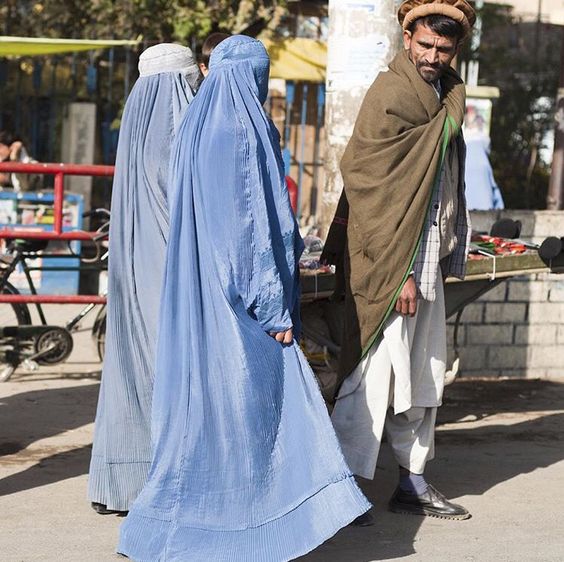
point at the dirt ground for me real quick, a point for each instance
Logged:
(500, 452)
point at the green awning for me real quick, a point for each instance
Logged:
(30, 46)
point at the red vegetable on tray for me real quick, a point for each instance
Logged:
(494, 246)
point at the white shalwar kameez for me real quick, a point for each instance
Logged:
(398, 385)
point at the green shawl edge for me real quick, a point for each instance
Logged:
(450, 123)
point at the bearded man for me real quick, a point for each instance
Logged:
(408, 229)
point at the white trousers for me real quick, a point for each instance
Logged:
(397, 387)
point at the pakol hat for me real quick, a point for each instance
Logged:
(458, 10)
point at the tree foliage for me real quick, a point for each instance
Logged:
(153, 20)
(523, 60)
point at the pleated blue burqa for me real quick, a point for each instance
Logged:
(246, 465)
(121, 453)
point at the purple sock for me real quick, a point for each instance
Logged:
(412, 483)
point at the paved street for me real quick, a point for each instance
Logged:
(500, 452)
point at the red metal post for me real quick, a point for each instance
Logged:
(53, 299)
(16, 233)
(59, 193)
(59, 171)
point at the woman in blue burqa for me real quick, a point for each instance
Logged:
(121, 454)
(246, 465)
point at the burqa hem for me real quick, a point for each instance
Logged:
(285, 538)
(116, 485)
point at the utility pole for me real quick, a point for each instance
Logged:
(555, 198)
(363, 38)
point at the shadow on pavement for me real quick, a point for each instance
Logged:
(94, 375)
(55, 468)
(30, 416)
(474, 454)
(469, 461)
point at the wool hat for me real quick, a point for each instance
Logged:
(459, 10)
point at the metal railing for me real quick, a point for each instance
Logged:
(59, 171)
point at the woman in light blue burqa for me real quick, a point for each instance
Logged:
(246, 465)
(121, 453)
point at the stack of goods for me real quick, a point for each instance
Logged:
(484, 246)
(309, 261)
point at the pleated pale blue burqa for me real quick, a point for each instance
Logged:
(121, 453)
(246, 465)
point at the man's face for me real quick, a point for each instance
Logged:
(430, 53)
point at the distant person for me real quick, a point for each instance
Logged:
(12, 149)
(482, 191)
(211, 42)
(121, 454)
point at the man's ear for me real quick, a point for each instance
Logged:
(203, 68)
(407, 36)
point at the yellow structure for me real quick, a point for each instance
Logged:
(32, 46)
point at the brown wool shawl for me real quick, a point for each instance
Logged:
(390, 168)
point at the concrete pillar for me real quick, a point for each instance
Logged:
(363, 38)
(555, 198)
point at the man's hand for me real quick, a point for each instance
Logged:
(283, 337)
(407, 301)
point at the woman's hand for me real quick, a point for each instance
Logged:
(283, 337)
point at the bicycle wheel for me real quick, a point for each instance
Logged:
(99, 332)
(11, 315)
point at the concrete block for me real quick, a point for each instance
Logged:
(508, 357)
(554, 374)
(549, 223)
(556, 292)
(473, 313)
(482, 220)
(498, 294)
(560, 334)
(498, 313)
(546, 356)
(523, 290)
(473, 357)
(546, 313)
(536, 334)
(490, 334)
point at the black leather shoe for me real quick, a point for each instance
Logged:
(364, 520)
(102, 509)
(432, 503)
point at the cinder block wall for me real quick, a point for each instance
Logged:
(517, 329)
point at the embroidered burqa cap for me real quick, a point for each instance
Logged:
(459, 10)
(170, 57)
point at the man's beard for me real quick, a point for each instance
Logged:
(430, 72)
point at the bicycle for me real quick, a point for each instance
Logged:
(30, 345)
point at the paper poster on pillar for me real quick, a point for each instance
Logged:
(78, 144)
(363, 38)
